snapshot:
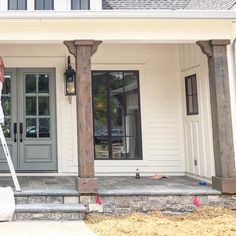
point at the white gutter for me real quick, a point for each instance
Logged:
(121, 14)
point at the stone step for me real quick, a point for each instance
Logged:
(49, 212)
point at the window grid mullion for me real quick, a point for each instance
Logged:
(108, 88)
(125, 113)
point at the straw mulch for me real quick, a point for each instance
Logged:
(202, 222)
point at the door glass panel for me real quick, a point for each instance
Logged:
(30, 106)
(7, 85)
(44, 127)
(6, 105)
(7, 128)
(43, 83)
(31, 128)
(38, 106)
(43, 106)
(30, 84)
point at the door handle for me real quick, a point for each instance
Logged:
(21, 132)
(15, 132)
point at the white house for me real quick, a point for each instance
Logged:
(143, 88)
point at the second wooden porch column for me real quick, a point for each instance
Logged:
(216, 51)
(83, 51)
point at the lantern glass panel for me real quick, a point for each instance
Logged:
(70, 85)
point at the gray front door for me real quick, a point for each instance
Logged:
(29, 105)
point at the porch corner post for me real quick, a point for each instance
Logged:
(86, 183)
(216, 51)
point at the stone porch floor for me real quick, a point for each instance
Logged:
(174, 185)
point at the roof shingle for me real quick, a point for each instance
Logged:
(168, 4)
(144, 4)
(210, 4)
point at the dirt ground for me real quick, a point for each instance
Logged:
(202, 222)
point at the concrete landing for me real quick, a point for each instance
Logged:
(52, 228)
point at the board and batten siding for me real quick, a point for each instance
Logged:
(161, 107)
(197, 128)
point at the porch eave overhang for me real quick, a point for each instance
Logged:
(121, 14)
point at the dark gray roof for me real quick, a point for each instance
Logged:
(210, 4)
(144, 4)
(168, 4)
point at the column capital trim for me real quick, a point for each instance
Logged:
(206, 45)
(71, 45)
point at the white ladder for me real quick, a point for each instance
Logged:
(9, 161)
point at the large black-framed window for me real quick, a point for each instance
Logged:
(44, 5)
(80, 4)
(116, 115)
(17, 4)
(191, 94)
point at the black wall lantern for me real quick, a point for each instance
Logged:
(70, 79)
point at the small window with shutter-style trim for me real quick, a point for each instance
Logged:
(191, 94)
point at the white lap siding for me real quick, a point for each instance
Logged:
(161, 108)
(160, 99)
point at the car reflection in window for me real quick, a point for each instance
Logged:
(117, 135)
(31, 132)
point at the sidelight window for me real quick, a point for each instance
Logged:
(117, 126)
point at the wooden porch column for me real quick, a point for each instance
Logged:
(83, 51)
(225, 179)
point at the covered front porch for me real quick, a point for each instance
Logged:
(177, 135)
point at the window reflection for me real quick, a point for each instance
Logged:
(17, 4)
(79, 4)
(116, 115)
(6, 105)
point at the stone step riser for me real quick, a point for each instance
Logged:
(48, 216)
(50, 211)
(47, 199)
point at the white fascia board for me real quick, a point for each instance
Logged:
(124, 14)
